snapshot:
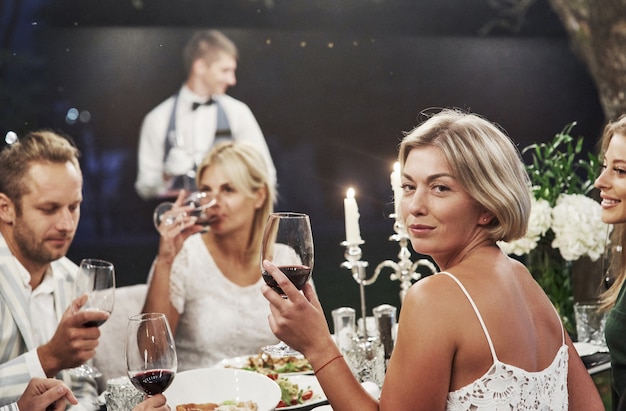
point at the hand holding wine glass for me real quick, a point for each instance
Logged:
(288, 244)
(198, 204)
(96, 278)
(150, 353)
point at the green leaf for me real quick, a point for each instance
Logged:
(558, 166)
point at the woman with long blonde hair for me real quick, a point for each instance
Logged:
(612, 186)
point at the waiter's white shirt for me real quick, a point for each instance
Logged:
(195, 133)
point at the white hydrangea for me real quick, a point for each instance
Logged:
(576, 221)
(578, 227)
(539, 223)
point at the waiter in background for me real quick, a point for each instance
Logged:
(177, 133)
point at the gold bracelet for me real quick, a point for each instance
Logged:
(329, 361)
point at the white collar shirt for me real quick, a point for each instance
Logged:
(195, 129)
(43, 317)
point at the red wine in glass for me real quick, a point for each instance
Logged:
(153, 381)
(94, 323)
(96, 278)
(288, 243)
(150, 353)
(297, 274)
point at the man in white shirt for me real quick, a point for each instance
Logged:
(42, 333)
(176, 134)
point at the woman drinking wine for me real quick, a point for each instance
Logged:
(207, 281)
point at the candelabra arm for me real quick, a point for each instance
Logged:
(424, 262)
(386, 264)
(404, 270)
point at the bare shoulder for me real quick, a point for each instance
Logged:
(528, 283)
(438, 295)
(429, 290)
(428, 335)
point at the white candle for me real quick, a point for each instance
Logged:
(353, 232)
(397, 189)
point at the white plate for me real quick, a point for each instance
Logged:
(221, 384)
(235, 362)
(306, 382)
(242, 362)
(584, 349)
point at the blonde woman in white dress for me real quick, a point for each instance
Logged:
(208, 283)
(480, 335)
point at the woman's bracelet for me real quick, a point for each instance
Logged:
(328, 362)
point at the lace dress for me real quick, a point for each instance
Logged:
(506, 387)
(218, 318)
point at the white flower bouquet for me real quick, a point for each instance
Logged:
(565, 224)
(538, 224)
(578, 227)
(576, 221)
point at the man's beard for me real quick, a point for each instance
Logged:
(33, 248)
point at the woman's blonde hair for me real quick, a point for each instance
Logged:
(617, 263)
(486, 163)
(248, 173)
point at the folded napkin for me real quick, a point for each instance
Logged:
(585, 349)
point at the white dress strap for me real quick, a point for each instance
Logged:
(482, 323)
(558, 317)
(480, 318)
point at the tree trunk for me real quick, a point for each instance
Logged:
(597, 32)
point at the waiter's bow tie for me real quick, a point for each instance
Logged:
(195, 104)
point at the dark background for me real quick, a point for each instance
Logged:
(334, 85)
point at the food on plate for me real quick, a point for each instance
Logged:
(265, 363)
(225, 406)
(290, 393)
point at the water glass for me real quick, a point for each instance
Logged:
(344, 321)
(590, 323)
(121, 395)
(369, 330)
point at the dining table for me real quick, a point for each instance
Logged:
(595, 363)
(102, 407)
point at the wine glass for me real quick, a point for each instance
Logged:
(96, 278)
(203, 207)
(288, 244)
(150, 353)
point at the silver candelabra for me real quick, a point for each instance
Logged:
(404, 270)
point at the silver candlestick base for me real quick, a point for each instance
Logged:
(404, 270)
